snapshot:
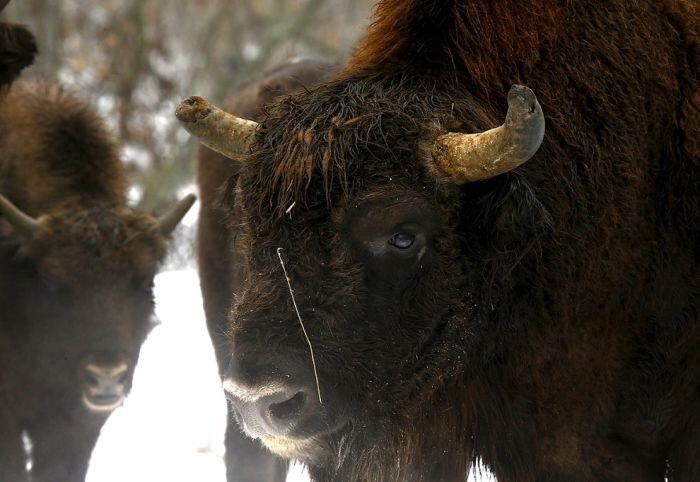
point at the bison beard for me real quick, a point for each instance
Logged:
(545, 319)
(76, 270)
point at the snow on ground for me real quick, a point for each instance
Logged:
(172, 425)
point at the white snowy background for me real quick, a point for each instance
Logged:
(171, 427)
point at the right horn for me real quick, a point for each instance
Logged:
(476, 157)
(22, 223)
(218, 130)
(169, 221)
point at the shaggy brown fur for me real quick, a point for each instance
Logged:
(17, 51)
(78, 291)
(220, 274)
(549, 322)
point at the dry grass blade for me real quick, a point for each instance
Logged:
(306, 335)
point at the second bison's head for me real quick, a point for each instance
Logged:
(348, 222)
(82, 285)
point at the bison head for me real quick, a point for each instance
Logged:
(349, 219)
(83, 281)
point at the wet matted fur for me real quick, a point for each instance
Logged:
(550, 325)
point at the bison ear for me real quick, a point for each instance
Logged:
(25, 225)
(3, 4)
(169, 221)
(218, 130)
(476, 157)
(17, 51)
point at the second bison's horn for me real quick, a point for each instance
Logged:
(168, 221)
(216, 129)
(23, 224)
(475, 157)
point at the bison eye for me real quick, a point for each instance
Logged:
(402, 240)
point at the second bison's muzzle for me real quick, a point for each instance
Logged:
(105, 383)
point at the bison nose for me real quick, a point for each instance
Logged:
(105, 375)
(271, 410)
(269, 401)
(104, 385)
(283, 410)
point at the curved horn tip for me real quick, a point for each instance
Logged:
(169, 221)
(216, 129)
(189, 200)
(24, 224)
(526, 116)
(522, 93)
(192, 109)
(476, 157)
(522, 102)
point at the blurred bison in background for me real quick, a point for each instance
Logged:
(17, 50)
(76, 272)
(440, 302)
(220, 269)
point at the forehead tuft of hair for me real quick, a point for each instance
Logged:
(97, 244)
(313, 146)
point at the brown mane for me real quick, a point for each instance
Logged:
(489, 43)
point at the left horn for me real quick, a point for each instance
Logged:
(22, 223)
(168, 221)
(476, 157)
(218, 130)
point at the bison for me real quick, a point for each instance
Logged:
(17, 50)
(426, 284)
(219, 276)
(76, 274)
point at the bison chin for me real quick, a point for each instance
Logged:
(305, 450)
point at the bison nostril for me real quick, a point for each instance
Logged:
(288, 410)
(121, 379)
(91, 379)
(105, 376)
